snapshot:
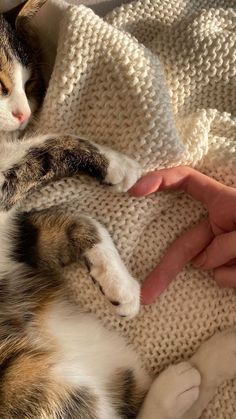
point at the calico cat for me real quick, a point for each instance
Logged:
(21, 86)
(57, 362)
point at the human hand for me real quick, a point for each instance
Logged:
(211, 244)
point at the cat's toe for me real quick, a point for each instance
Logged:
(130, 305)
(119, 287)
(125, 300)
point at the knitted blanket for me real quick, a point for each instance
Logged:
(155, 79)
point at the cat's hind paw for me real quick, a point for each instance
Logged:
(176, 389)
(216, 358)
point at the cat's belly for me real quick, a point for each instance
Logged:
(87, 352)
(89, 356)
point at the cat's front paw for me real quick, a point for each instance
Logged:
(175, 390)
(116, 283)
(122, 172)
(120, 288)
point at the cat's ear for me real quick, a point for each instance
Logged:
(20, 16)
(27, 12)
(11, 15)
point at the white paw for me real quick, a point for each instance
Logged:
(176, 389)
(123, 172)
(120, 288)
(216, 358)
(116, 283)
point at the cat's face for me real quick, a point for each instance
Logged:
(17, 81)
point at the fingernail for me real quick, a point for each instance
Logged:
(147, 185)
(146, 301)
(199, 260)
(148, 297)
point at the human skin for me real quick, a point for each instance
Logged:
(209, 245)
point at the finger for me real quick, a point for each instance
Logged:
(231, 263)
(219, 252)
(181, 251)
(196, 184)
(226, 276)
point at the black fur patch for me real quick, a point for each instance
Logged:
(126, 395)
(9, 186)
(81, 404)
(25, 249)
(46, 163)
(8, 363)
(128, 410)
(12, 14)
(12, 40)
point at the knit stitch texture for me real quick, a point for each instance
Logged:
(156, 80)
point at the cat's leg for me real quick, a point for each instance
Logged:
(30, 164)
(184, 390)
(50, 239)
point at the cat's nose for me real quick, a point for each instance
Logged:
(21, 116)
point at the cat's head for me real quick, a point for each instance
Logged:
(21, 87)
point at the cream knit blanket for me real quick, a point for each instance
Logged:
(156, 80)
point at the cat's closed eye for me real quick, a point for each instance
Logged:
(4, 90)
(30, 85)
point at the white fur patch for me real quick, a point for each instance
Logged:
(123, 172)
(16, 102)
